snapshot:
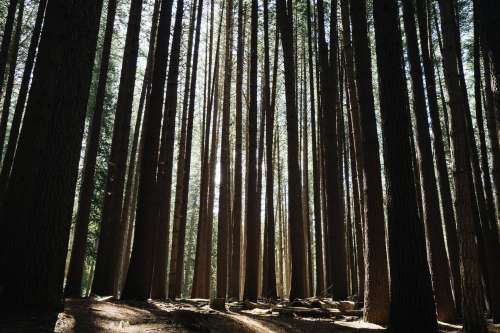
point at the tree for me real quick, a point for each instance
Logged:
(269, 103)
(431, 216)
(225, 170)
(440, 156)
(376, 275)
(140, 274)
(251, 218)
(299, 276)
(75, 271)
(235, 269)
(472, 302)
(177, 254)
(411, 289)
(112, 230)
(36, 211)
(166, 161)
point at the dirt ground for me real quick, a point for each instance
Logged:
(85, 315)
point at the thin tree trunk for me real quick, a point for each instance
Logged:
(112, 229)
(235, 269)
(295, 218)
(252, 207)
(440, 157)
(437, 258)
(376, 283)
(140, 274)
(224, 214)
(472, 301)
(131, 187)
(76, 264)
(165, 164)
(176, 252)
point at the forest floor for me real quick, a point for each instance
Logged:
(105, 315)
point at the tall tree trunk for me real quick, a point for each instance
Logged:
(131, 187)
(181, 205)
(319, 277)
(140, 274)
(376, 285)
(489, 226)
(252, 227)
(202, 275)
(440, 156)
(76, 264)
(411, 288)
(112, 229)
(176, 252)
(21, 98)
(165, 164)
(35, 232)
(225, 170)
(335, 243)
(472, 301)
(295, 218)
(437, 258)
(234, 274)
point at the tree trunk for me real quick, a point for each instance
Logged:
(225, 170)
(437, 258)
(112, 230)
(35, 231)
(75, 271)
(176, 252)
(472, 301)
(252, 227)
(411, 288)
(440, 157)
(140, 274)
(165, 165)
(131, 188)
(376, 285)
(295, 218)
(235, 269)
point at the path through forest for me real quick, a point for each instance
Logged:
(105, 315)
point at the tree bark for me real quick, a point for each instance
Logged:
(36, 212)
(234, 274)
(76, 264)
(472, 301)
(112, 230)
(437, 258)
(376, 283)
(252, 227)
(225, 170)
(411, 288)
(295, 218)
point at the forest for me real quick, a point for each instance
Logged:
(250, 166)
